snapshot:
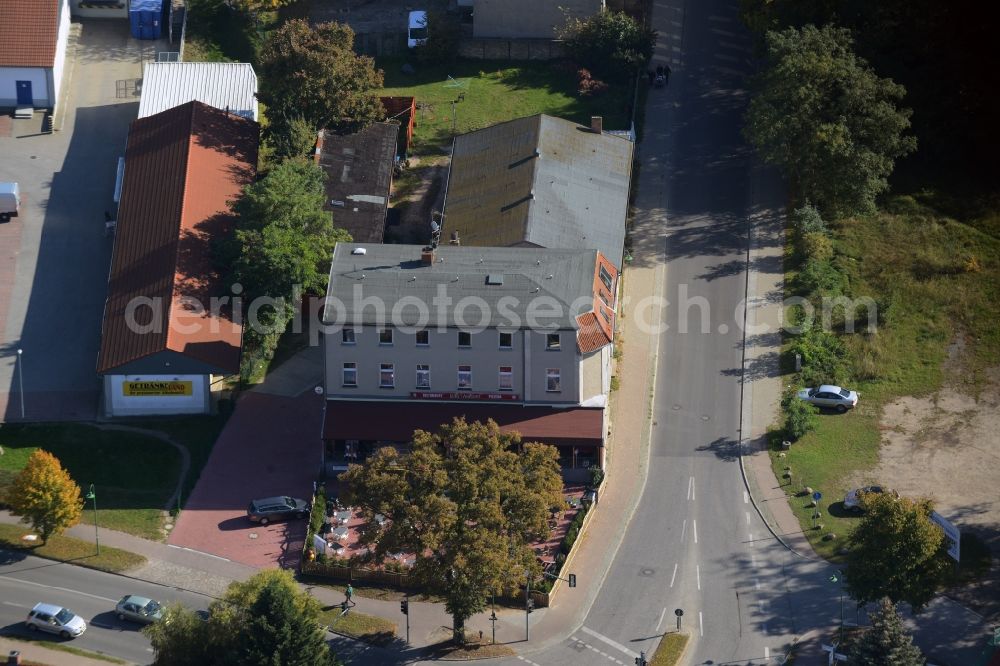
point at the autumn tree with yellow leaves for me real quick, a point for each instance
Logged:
(45, 496)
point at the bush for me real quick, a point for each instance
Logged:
(610, 43)
(820, 278)
(800, 416)
(816, 246)
(596, 476)
(588, 86)
(823, 357)
(807, 220)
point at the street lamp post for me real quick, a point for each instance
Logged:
(91, 495)
(835, 578)
(20, 378)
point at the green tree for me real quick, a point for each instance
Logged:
(444, 32)
(283, 236)
(800, 417)
(266, 620)
(289, 136)
(609, 43)
(822, 114)
(312, 72)
(467, 502)
(895, 551)
(886, 642)
(45, 496)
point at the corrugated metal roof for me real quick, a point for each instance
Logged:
(540, 180)
(182, 168)
(359, 172)
(533, 280)
(29, 30)
(396, 421)
(224, 85)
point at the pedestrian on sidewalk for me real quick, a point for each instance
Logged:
(349, 592)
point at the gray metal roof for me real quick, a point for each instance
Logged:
(224, 85)
(550, 286)
(543, 181)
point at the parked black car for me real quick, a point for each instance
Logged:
(269, 509)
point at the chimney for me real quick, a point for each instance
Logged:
(427, 256)
(597, 124)
(454, 239)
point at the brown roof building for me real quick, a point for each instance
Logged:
(33, 38)
(359, 173)
(182, 168)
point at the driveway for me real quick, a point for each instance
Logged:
(271, 446)
(54, 258)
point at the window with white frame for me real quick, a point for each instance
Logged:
(350, 374)
(465, 377)
(506, 340)
(387, 375)
(423, 376)
(347, 336)
(606, 278)
(385, 336)
(506, 378)
(423, 339)
(552, 380)
(552, 341)
(464, 339)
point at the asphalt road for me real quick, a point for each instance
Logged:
(88, 593)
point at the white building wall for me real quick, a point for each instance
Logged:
(59, 66)
(39, 84)
(116, 403)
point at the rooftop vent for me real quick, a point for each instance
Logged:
(427, 256)
(359, 251)
(494, 278)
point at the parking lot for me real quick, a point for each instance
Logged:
(55, 256)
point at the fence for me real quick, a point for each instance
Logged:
(511, 49)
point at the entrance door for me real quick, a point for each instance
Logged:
(24, 96)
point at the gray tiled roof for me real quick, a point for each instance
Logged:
(541, 181)
(392, 273)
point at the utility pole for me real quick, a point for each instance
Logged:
(493, 618)
(527, 608)
(404, 607)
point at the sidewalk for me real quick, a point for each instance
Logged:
(39, 654)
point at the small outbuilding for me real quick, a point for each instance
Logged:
(168, 332)
(33, 38)
(228, 86)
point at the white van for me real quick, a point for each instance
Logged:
(10, 201)
(417, 33)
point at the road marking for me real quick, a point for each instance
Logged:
(746, 497)
(589, 647)
(748, 517)
(684, 529)
(527, 661)
(701, 625)
(697, 573)
(694, 523)
(615, 644)
(8, 603)
(63, 589)
(750, 538)
(662, 614)
(767, 653)
(673, 575)
(691, 489)
(199, 552)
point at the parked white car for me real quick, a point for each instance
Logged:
(830, 397)
(416, 34)
(852, 501)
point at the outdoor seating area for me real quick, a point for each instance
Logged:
(344, 526)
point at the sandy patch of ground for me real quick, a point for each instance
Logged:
(947, 446)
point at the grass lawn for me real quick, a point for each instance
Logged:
(68, 549)
(63, 647)
(495, 92)
(670, 650)
(133, 475)
(197, 434)
(367, 628)
(938, 278)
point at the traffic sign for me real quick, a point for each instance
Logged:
(817, 496)
(679, 612)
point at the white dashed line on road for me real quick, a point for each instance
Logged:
(673, 575)
(701, 625)
(663, 613)
(694, 524)
(684, 529)
(697, 573)
(767, 653)
(593, 649)
(691, 489)
(748, 518)
(615, 644)
(527, 661)
(746, 497)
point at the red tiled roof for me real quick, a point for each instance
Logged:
(182, 168)
(396, 421)
(29, 30)
(596, 328)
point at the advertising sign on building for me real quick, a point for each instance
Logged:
(462, 395)
(146, 389)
